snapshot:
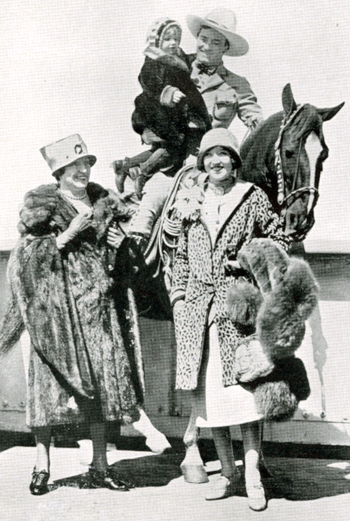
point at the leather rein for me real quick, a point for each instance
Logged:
(284, 201)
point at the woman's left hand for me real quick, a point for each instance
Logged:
(232, 265)
(114, 237)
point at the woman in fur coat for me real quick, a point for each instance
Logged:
(220, 215)
(63, 284)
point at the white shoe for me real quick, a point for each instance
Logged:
(222, 487)
(256, 497)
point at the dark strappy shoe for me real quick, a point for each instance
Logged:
(38, 485)
(106, 479)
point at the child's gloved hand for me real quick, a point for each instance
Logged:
(178, 96)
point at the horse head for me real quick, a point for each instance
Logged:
(285, 156)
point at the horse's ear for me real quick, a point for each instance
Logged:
(327, 114)
(288, 101)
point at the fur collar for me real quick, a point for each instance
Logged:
(45, 210)
(178, 62)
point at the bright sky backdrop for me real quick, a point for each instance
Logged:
(71, 66)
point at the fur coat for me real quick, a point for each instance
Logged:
(160, 76)
(201, 278)
(81, 318)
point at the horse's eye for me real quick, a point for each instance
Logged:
(289, 154)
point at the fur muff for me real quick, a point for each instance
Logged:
(277, 395)
(289, 291)
(275, 401)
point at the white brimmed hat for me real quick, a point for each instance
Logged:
(218, 137)
(223, 21)
(65, 151)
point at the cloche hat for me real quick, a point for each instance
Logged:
(65, 151)
(218, 137)
(224, 21)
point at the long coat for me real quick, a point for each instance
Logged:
(201, 279)
(227, 95)
(80, 320)
(160, 76)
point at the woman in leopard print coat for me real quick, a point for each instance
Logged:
(223, 214)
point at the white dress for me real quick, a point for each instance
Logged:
(216, 405)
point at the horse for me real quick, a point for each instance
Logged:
(284, 156)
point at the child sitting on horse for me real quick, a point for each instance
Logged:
(170, 114)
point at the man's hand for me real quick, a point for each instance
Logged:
(114, 237)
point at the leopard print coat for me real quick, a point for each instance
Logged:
(201, 279)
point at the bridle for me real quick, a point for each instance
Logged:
(285, 202)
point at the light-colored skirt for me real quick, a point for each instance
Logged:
(216, 405)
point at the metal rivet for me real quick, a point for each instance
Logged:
(305, 414)
(5, 403)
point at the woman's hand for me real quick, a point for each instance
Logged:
(233, 265)
(178, 96)
(80, 222)
(77, 225)
(114, 237)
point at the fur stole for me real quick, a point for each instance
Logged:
(45, 211)
(278, 301)
(287, 294)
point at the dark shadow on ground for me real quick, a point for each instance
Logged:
(296, 479)
(298, 472)
(145, 471)
(302, 480)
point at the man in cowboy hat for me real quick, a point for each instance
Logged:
(225, 94)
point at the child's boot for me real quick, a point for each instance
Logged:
(140, 182)
(121, 172)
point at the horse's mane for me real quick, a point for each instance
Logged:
(257, 152)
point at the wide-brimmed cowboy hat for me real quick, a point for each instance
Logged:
(65, 151)
(223, 21)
